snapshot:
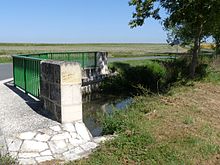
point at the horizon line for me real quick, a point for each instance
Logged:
(76, 43)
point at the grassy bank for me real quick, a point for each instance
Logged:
(174, 129)
(153, 76)
(179, 127)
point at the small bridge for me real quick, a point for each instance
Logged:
(29, 133)
(26, 68)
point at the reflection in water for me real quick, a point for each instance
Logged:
(96, 104)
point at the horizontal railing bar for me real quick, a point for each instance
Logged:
(68, 52)
(29, 58)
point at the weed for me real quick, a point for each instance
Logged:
(188, 120)
(7, 160)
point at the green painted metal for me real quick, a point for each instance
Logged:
(85, 59)
(26, 68)
(27, 74)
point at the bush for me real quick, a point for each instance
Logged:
(151, 76)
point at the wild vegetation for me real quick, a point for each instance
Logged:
(152, 76)
(7, 160)
(178, 127)
(187, 21)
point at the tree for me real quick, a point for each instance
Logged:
(216, 35)
(190, 20)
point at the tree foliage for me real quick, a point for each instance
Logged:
(216, 34)
(189, 20)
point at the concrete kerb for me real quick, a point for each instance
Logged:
(6, 80)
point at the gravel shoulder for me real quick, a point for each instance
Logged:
(19, 112)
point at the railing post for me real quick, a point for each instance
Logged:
(95, 59)
(13, 59)
(25, 80)
(83, 60)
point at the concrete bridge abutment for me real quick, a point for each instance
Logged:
(60, 89)
(63, 83)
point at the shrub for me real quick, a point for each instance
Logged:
(151, 76)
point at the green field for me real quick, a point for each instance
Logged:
(115, 50)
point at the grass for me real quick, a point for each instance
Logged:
(5, 59)
(152, 131)
(180, 127)
(115, 50)
(7, 160)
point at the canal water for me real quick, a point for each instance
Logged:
(96, 104)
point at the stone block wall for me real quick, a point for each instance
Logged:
(60, 89)
(103, 62)
(94, 74)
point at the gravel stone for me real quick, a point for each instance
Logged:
(28, 155)
(82, 131)
(29, 161)
(58, 147)
(43, 158)
(69, 127)
(56, 128)
(33, 146)
(27, 135)
(13, 144)
(46, 153)
(61, 136)
(42, 137)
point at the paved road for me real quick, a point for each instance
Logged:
(5, 71)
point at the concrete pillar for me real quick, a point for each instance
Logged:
(103, 62)
(60, 89)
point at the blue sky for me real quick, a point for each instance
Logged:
(73, 21)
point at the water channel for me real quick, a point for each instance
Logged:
(96, 104)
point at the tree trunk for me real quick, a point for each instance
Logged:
(195, 54)
(217, 48)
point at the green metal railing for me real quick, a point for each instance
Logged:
(26, 68)
(27, 74)
(85, 59)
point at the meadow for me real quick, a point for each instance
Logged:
(115, 50)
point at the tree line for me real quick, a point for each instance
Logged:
(190, 21)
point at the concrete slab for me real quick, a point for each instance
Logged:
(20, 112)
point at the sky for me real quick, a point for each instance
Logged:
(74, 21)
